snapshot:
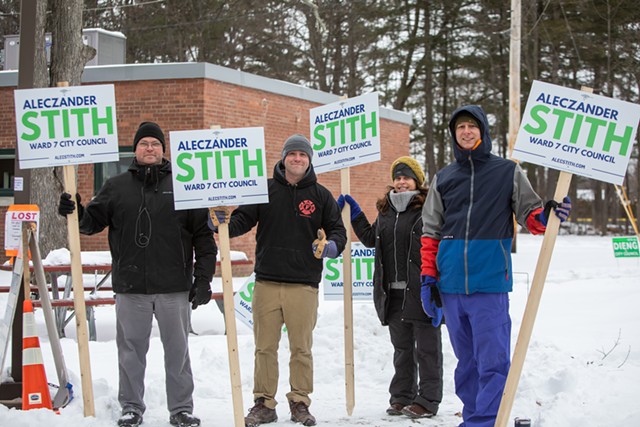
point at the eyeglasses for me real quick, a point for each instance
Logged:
(153, 145)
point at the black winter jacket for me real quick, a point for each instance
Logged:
(395, 236)
(152, 244)
(287, 227)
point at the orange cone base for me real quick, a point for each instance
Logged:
(35, 390)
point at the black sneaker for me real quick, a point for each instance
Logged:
(300, 414)
(184, 419)
(260, 414)
(130, 419)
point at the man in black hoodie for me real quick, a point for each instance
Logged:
(153, 274)
(287, 276)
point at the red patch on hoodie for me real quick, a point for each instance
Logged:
(307, 207)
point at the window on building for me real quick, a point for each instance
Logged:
(104, 171)
(7, 167)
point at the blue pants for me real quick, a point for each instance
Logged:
(480, 331)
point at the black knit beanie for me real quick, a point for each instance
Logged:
(149, 129)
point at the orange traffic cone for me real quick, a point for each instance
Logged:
(35, 389)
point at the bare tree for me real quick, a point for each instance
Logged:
(68, 57)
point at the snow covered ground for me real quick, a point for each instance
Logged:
(582, 366)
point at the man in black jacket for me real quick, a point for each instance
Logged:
(287, 276)
(153, 273)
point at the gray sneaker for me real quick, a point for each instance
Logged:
(260, 414)
(300, 414)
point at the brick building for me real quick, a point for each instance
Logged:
(196, 96)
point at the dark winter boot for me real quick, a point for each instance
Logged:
(184, 419)
(130, 419)
(300, 414)
(395, 409)
(260, 414)
(417, 411)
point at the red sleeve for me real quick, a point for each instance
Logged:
(533, 222)
(428, 252)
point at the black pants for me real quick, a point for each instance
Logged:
(417, 352)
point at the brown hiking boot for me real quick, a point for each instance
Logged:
(300, 414)
(395, 409)
(260, 414)
(417, 411)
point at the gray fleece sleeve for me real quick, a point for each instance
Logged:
(524, 199)
(433, 212)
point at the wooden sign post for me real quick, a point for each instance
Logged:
(573, 144)
(223, 182)
(48, 136)
(79, 306)
(229, 318)
(357, 142)
(533, 302)
(349, 360)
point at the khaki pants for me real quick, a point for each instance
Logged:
(295, 306)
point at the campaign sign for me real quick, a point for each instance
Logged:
(626, 247)
(70, 125)
(362, 267)
(218, 167)
(577, 132)
(345, 133)
(242, 301)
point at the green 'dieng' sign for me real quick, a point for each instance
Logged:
(625, 247)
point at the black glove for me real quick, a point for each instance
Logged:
(66, 205)
(200, 293)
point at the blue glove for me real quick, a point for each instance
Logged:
(330, 249)
(340, 202)
(562, 210)
(212, 227)
(431, 303)
(355, 207)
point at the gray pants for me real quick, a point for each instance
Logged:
(134, 317)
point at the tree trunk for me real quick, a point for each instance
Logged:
(68, 56)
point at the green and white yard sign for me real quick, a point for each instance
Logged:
(218, 167)
(577, 132)
(626, 247)
(363, 264)
(69, 125)
(243, 301)
(345, 133)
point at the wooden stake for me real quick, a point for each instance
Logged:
(26, 273)
(229, 317)
(78, 295)
(230, 322)
(533, 302)
(626, 205)
(349, 366)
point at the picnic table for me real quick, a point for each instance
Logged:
(98, 263)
